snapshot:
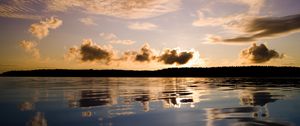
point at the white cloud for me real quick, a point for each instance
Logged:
(112, 38)
(128, 9)
(108, 36)
(233, 21)
(253, 5)
(87, 21)
(31, 48)
(41, 29)
(123, 42)
(142, 26)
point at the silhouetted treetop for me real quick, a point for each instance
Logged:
(233, 71)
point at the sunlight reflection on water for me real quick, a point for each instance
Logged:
(149, 101)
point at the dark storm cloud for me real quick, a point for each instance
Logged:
(145, 54)
(171, 56)
(268, 27)
(168, 56)
(240, 39)
(90, 51)
(259, 54)
(272, 26)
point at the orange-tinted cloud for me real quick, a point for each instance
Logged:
(142, 26)
(41, 29)
(88, 21)
(128, 9)
(31, 48)
(19, 9)
(113, 39)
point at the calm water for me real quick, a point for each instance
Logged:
(149, 101)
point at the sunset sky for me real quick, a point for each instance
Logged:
(148, 34)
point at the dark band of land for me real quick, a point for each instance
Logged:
(248, 71)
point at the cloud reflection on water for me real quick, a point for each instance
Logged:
(109, 98)
(38, 120)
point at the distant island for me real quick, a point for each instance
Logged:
(240, 71)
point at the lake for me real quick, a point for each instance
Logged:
(34, 101)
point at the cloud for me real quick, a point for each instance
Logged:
(262, 28)
(232, 21)
(108, 36)
(168, 56)
(128, 9)
(26, 106)
(215, 39)
(38, 120)
(31, 48)
(249, 25)
(254, 6)
(145, 54)
(123, 42)
(88, 21)
(72, 54)
(259, 54)
(268, 27)
(112, 38)
(142, 26)
(22, 9)
(41, 29)
(173, 56)
(90, 51)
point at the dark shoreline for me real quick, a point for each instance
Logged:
(245, 71)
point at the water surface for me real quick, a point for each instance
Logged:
(149, 101)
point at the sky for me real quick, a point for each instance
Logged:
(148, 34)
